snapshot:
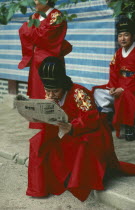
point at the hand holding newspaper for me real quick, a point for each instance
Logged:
(41, 110)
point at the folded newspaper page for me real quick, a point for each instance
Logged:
(41, 110)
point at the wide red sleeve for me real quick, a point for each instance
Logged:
(46, 35)
(114, 73)
(46, 40)
(87, 120)
(86, 123)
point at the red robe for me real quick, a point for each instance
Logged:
(125, 103)
(82, 157)
(39, 43)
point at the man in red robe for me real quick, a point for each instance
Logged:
(120, 89)
(79, 160)
(40, 42)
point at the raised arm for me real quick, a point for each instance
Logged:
(48, 33)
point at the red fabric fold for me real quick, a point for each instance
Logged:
(75, 163)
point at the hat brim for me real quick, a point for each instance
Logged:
(55, 83)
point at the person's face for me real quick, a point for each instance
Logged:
(36, 1)
(41, 7)
(54, 94)
(125, 39)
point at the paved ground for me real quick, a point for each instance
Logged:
(14, 145)
(13, 185)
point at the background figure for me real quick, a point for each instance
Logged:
(120, 89)
(39, 43)
(79, 160)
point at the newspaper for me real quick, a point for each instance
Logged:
(40, 110)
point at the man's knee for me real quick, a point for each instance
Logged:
(103, 100)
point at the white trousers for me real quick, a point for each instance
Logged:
(103, 100)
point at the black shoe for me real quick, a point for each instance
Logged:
(110, 119)
(129, 133)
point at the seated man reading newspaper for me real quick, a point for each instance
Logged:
(79, 160)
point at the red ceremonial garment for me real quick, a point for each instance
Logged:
(38, 43)
(124, 105)
(77, 162)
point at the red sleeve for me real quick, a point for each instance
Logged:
(86, 123)
(114, 73)
(88, 117)
(46, 35)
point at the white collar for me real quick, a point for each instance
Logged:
(47, 13)
(126, 53)
(61, 102)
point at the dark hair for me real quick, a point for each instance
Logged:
(51, 3)
(68, 84)
(65, 84)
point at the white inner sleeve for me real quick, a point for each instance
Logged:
(103, 99)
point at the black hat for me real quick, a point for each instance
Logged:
(125, 25)
(53, 75)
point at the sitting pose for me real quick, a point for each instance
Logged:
(120, 90)
(78, 161)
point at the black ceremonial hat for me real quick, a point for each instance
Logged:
(125, 25)
(52, 73)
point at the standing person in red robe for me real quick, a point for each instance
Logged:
(41, 42)
(120, 89)
(79, 160)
